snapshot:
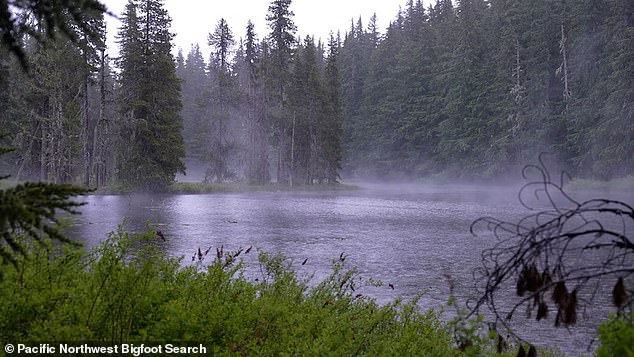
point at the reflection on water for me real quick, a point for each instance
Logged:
(409, 236)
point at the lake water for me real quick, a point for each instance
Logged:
(410, 236)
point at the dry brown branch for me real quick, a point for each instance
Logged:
(563, 247)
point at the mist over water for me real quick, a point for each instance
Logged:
(408, 235)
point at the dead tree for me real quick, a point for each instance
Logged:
(559, 257)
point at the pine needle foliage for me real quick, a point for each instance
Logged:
(29, 214)
(45, 20)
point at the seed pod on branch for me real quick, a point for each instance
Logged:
(619, 295)
(542, 311)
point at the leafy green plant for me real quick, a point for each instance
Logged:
(617, 336)
(128, 291)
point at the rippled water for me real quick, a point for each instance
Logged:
(408, 236)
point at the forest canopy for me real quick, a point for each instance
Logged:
(470, 88)
(476, 87)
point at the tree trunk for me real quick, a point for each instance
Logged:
(86, 155)
(564, 65)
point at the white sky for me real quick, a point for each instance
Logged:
(193, 20)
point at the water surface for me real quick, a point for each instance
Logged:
(410, 236)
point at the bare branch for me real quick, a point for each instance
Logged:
(555, 253)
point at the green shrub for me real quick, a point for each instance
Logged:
(128, 291)
(617, 337)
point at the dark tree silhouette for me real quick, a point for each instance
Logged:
(45, 19)
(560, 256)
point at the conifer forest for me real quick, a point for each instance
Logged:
(275, 192)
(470, 88)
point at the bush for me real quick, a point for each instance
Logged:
(617, 337)
(128, 291)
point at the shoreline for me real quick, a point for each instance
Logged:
(195, 188)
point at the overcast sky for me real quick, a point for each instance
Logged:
(193, 20)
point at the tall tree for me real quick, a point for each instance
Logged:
(257, 167)
(355, 61)
(194, 83)
(331, 127)
(281, 44)
(150, 94)
(613, 147)
(221, 147)
(306, 106)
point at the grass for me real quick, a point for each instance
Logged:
(128, 291)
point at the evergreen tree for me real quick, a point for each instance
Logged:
(49, 19)
(257, 167)
(466, 114)
(481, 87)
(194, 83)
(587, 31)
(280, 51)
(51, 104)
(180, 64)
(612, 139)
(355, 59)
(220, 146)
(152, 143)
(331, 127)
(29, 211)
(306, 105)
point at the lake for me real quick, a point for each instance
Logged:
(410, 236)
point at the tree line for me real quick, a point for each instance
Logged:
(259, 111)
(477, 88)
(265, 109)
(469, 88)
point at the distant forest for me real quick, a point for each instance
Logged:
(480, 87)
(472, 88)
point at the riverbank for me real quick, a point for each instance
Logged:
(620, 184)
(233, 187)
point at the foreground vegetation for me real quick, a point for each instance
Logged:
(128, 291)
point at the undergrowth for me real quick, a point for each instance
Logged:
(128, 291)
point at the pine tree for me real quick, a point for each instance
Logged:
(281, 44)
(587, 30)
(180, 64)
(29, 211)
(257, 167)
(221, 147)
(194, 83)
(478, 88)
(72, 19)
(306, 106)
(358, 49)
(331, 126)
(150, 94)
(103, 157)
(613, 147)
(466, 114)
